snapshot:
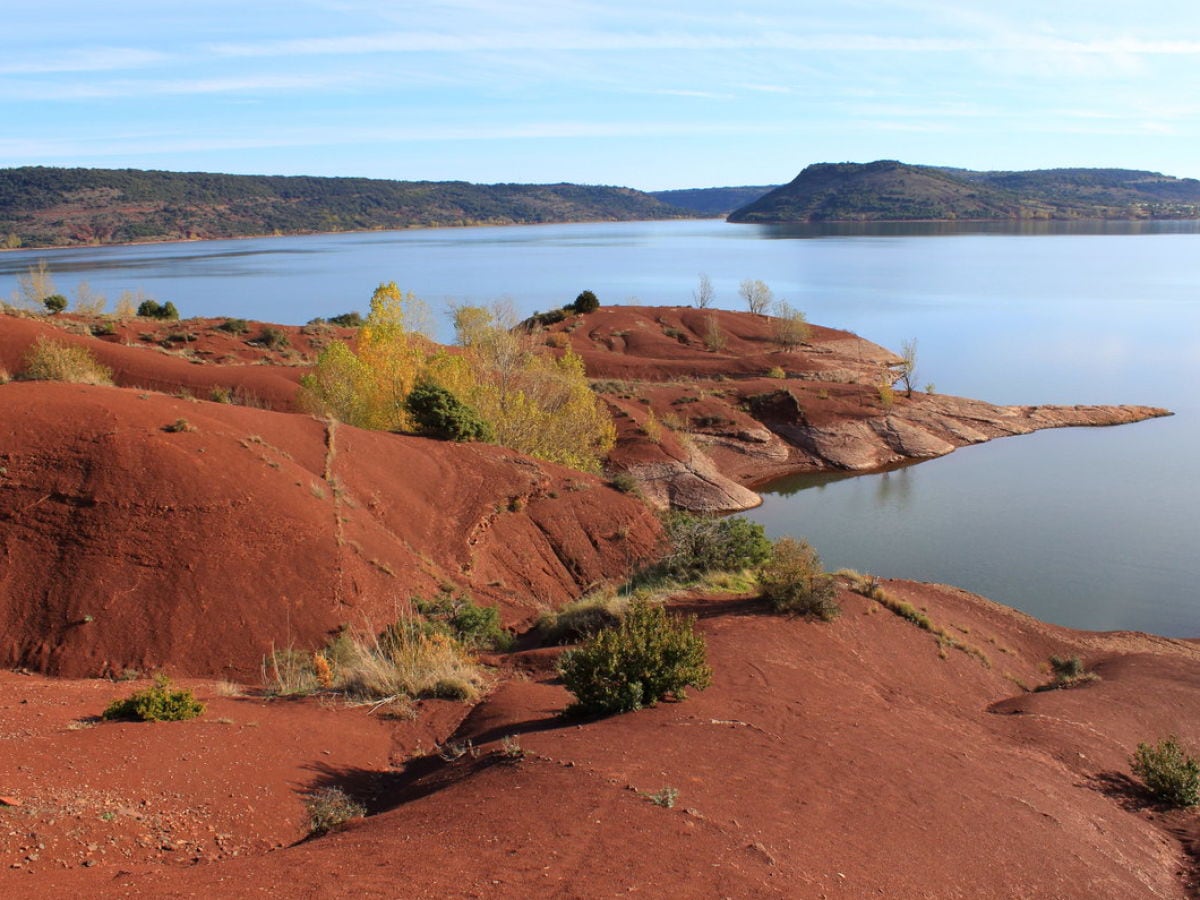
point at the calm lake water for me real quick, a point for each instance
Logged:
(1093, 528)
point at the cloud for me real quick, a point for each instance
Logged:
(95, 59)
(124, 88)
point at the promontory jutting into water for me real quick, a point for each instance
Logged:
(1093, 528)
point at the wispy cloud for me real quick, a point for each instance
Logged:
(127, 88)
(95, 59)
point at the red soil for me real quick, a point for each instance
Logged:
(855, 758)
(845, 759)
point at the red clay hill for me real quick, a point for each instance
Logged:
(145, 526)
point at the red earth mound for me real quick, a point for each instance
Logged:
(857, 758)
(141, 531)
(709, 403)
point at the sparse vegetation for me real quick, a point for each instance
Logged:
(157, 703)
(792, 581)
(714, 337)
(648, 657)
(582, 618)
(235, 326)
(458, 616)
(1170, 773)
(757, 295)
(665, 798)
(329, 809)
(273, 338)
(790, 327)
(179, 425)
(50, 360)
(55, 303)
(704, 294)
(352, 319)
(1068, 672)
(702, 544)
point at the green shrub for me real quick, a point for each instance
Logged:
(235, 326)
(793, 581)
(586, 302)
(1169, 773)
(152, 309)
(1065, 667)
(438, 412)
(329, 809)
(702, 544)
(347, 319)
(626, 484)
(273, 338)
(55, 303)
(646, 658)
(157, 703)
(475, 627)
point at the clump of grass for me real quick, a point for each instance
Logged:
(665, 798)
(50, 360)
(580, 619)
(1170, 773)
(273, 338)
(869, 587)
(776, 372)
(626, 484)
(329, 809)
(178, 426)
(1068, 672)
(235, 326)
(410, 664)
(157, 703)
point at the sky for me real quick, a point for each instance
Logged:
(648, 94)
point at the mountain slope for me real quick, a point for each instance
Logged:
(42, 206)
(888, 190)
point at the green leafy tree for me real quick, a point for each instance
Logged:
(55, 303)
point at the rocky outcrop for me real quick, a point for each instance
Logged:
(709, 403)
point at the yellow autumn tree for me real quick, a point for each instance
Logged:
(533, 401)
(367, 386)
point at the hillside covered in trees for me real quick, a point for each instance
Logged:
(715, 201)
(891, 191)
(42, 206)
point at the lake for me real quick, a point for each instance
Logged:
(1092, 528)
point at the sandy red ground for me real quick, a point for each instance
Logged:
(846, 759)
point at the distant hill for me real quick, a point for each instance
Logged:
(42, 206)
(891, 191)
(716, 201)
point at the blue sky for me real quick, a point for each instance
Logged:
(648, 94)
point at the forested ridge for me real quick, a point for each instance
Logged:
(42, 206)
(887, 190)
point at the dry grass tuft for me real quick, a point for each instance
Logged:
(50, 360)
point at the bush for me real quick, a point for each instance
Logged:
(475, 627)
(646, 658)
(1168, 772)
(55, 303)
(438, 412)
(235, 326)
(707, 544)
(49, 360)
(273, 338)
(793, 581)
(347, 320)
(586, 302)
(152, 309)
(157, 703)
(329, 809)
(582, 618)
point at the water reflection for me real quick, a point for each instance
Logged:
(1024, 227)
